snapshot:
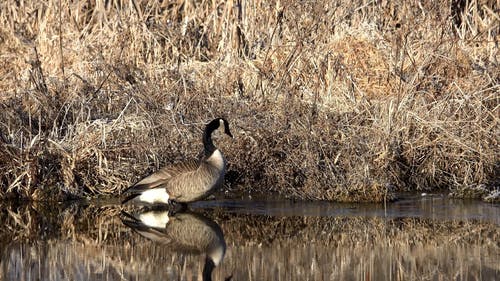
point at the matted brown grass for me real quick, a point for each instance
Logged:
(346, 101)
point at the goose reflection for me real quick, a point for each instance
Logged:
(185, 232)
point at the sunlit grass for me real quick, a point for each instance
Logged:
(347, 101)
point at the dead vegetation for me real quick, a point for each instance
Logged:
(347, 101)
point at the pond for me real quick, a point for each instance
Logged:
(415, 238)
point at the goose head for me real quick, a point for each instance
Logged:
(217, 123)
(209, 147)
(213, 258)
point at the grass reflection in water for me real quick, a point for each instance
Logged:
(92, 243)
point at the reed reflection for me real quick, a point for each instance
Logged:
(185, 232)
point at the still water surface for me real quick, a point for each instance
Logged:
(416, 238)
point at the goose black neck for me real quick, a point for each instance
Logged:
(207, 269)
(208, 144)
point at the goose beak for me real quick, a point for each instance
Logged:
(226, 128)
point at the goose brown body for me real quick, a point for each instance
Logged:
(188, 233)
(187, 181)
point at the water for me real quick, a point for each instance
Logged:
(416, 238)
(433, 206)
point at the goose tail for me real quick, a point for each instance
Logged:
(132, 192)
(145, 194)
(132, 222)
(129, 198)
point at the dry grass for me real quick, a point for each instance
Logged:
(348, 101)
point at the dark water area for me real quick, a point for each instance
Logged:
(428, 237)
(411, 205)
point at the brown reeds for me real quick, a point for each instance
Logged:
(347, 101)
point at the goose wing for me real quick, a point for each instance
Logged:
(162, 177)
(155, 234)
(183, 232)
(189, 233)
(185, 177)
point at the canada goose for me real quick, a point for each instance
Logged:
(187, 181)
(183, 232)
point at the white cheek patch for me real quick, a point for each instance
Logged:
(156, 195)
(154, 219)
